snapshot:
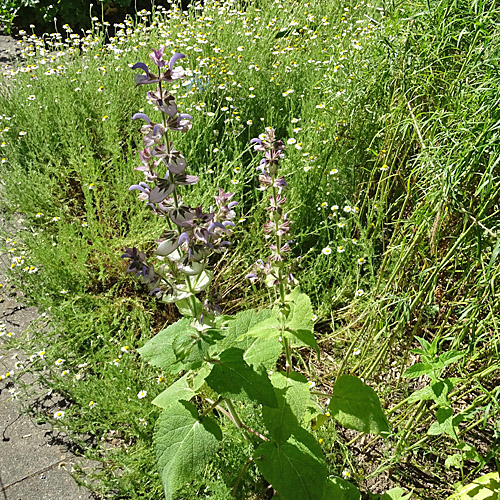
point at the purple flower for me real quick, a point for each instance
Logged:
(180, 123)
(168, 76)
(137, 261)
(157, 57)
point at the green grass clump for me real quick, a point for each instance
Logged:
(392, 161)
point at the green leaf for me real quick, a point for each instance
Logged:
(418, 369)
(314, 413)
(450, 357)
(159, 352)
(185, 443)
(427, 346)
(440, 391)
(305, 337)
(203, 280)
(296, 469)
(293, 397)
(199, 378)
(257, 350)
(394, 494)
(424, 394)
(357, 406)
(483, 488)
(179, 390)
(190, 349)
(301, 313)
(340, 489)
(263, 351)
(240, 324)
(454, 460)
(185, 307)
(446, 423)
(232, 377)
(266, 329)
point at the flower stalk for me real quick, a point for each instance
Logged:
(191, 236)
(275, 271)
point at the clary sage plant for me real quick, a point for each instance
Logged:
(238, 358)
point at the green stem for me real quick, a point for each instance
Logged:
(288, 355)
(213, 405)
(240, 477)
(233, 415)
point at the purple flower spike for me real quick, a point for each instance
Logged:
(141, 116)
(141, 79)
(142, 186)
(173, 59)
(183, 238)
(141, 65)
(157, 57)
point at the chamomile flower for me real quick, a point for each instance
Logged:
(361, 260)
(142, 394)
(326, 251)
(346, 474)
(143, 422)
(125, 348)
(340, 249)
(160, 379)
(92, 404)
(357, 351)
(359, 292)
(59, 362)
(291, 141)
(311, 384)
(384, 167)
(58, 414)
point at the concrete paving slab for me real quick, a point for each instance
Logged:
(34, 464)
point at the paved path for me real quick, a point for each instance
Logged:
(34, 465)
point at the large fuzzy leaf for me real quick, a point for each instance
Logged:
(233, 378)
(292, 393)
(356, 406)
(483, 488)
(159, 352)
(257, 350)
(185, 443)
(296, 468)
